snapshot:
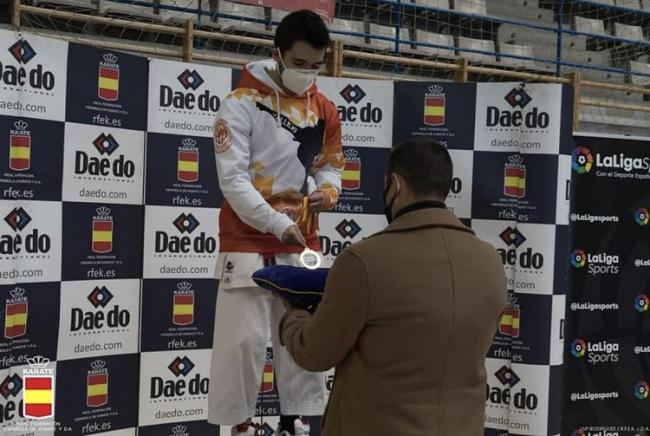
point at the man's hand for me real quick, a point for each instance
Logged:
(293, 236)
(318, 202)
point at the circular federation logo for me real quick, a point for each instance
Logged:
(642, 216)
(582, 160)
(222, 138)
(578, 348)
(578, 258)
(642, 390)
(641, 303)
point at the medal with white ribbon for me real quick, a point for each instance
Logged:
(310, 259)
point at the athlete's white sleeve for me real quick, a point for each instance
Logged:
(328, 176)
(233, 161)
(330, 162)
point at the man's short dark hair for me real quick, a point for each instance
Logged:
(425, 165)
(303, 25)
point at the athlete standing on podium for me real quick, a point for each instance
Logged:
(279, 158)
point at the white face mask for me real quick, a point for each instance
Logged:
(297, 80)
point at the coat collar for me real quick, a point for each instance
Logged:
(426, 218)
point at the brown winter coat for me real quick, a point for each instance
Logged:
(407, 319)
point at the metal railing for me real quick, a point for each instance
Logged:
(459, 66)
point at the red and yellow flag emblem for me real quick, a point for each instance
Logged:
(267, 378)
(97, 390)
(434, 106)
(351, 174)
(188, 163)
(38, 397)
(514, 182)
(434, 111)
(183, 309)
(15, 319)
(20, 151)
(108, 82)
(509, 323)
(102, 237)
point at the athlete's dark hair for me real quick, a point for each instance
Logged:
(303, 25)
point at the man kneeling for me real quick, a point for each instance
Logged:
(408, 314)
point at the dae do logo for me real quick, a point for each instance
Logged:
(180, 383)
(189, 241)
(104, 315)
(512, 256)
(192, 97)
(506, 394)
(519, 116)
(36, 77)
(353, 113)
(24, 239)
(11, 408)
(104, 163)
(348, 229)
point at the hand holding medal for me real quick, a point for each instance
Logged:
(310, 259)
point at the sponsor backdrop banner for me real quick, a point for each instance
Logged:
(110, 206)
(608, 322)
(512, 173)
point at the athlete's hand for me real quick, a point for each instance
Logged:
(293, 236)
(318, 202)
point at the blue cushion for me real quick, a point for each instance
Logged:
(299, 286)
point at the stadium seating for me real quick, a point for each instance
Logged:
(175, 16)
(589, 25)
(378, 34)
(591, 59)
(522, 51)
(476, 7)
(631, 4)
(80, 6)
(513, 34)
(437, 4)
(466, 47)
(237, 16)
(433, 39)
(348, 31)
(608, 40)
(639, 67)
(520, 10)
(628, 32)
(130, 11)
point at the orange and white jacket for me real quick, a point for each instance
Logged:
(272, 150)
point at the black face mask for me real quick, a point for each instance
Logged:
(388, 207)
